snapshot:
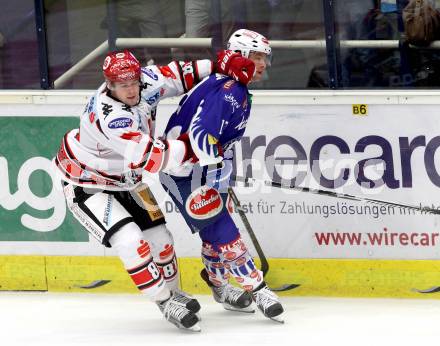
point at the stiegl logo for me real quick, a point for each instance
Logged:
(204, 203)
(24, 195)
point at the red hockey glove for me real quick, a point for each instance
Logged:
(157, 155)
(168, 154)
(235, 65)
(189, 153)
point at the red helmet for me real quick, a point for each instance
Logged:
(121, 67)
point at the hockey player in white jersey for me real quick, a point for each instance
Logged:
(101, 165)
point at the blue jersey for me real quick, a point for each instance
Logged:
(214, 116)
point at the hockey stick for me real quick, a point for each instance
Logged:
(335, 194)
(434, 289)
(263, 259)
(94, 284)
(247, 225)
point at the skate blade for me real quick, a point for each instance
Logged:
(194, 329)
(247, 310)
(278, 319)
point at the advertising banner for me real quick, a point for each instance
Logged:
(32, 210)
(389, 154)
(386, 152)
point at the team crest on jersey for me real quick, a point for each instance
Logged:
(150, 73)
(120, 123)
(204, 203)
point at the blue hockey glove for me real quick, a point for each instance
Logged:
(218, 176)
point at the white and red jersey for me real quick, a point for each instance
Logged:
(114, 142)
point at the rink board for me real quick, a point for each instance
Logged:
(314, 277)
(328, 246)
(366, 144)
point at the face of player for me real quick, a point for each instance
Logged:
(260, 61)
(126, 92)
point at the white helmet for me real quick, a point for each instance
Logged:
(246, 41)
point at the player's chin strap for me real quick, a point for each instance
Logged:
(334, 194)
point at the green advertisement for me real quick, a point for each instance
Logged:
(32, 206)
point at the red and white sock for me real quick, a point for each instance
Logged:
(136, 256)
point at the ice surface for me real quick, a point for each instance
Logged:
(107, 319)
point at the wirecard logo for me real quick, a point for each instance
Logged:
(390, 166)
(120, 123)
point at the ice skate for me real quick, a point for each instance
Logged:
(268, 303)
(187, 300)
(232, 298)
(176, 312)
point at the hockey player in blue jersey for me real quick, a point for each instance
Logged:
(214, 116)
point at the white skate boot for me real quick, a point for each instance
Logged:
(176, 312)
(187, 300)
(268, 303)
(232, 298)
